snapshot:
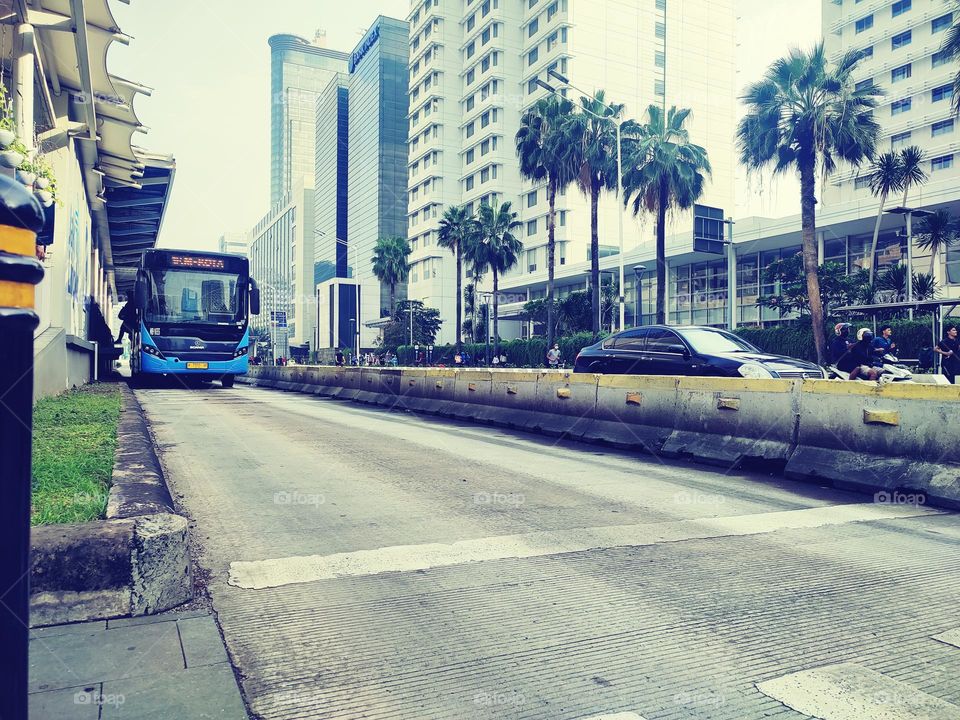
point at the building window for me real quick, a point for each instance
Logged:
(533, 55)
(471, 49)
(900, 106)
(900, 7)
(533, 27)
(862, 182)
(658, 87)
(944, 127)
(471, 76)
(901, 73)
(940, 58)
(864, 23)
(531, 227)
(661, 4)
(469, 183)
(532, 86)
(866, 52)
(531, 199)
(470, 156)
(941, 23)
(944, 92)
(471, 128)
(659, 59)
(470, 103)
(944, 162)
(901, 40)
(660, 30)
(551, 11)
(563, 218)
(899, 140)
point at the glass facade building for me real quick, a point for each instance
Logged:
(299, 71)
(332, 166)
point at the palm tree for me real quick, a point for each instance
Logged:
(390, 264)
(595, 141)
(456, 226)
(806, 115)
(664, 171)
(886, 176)
(545, 153)
(911, 161)
(936, 233)
(501, 250)
(951, 45)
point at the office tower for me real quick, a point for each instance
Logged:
(299, 70)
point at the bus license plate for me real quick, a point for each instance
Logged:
(196, 366)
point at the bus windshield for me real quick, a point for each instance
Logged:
(196, 296)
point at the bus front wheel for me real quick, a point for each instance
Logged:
(227, 381)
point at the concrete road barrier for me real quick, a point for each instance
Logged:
(880, 438)
(729, 420)
(853, 435)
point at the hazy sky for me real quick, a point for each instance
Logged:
(209, 64)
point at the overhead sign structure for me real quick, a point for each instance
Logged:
(709, 228)
(278, 318)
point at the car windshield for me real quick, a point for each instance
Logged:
(195, 296)
(706, 340)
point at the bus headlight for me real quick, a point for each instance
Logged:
(240, 352)
(152, 351)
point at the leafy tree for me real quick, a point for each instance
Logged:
(911, 159)
(426, 325)
(501, 250)
(456, 228)
(664, 172)
(593, 133)
(806, 115)
(546, 153)
(837, 287)
(951, 46)
(886, 176)
(894, 281)
(936, 233)
(391, 264)
(576, 314)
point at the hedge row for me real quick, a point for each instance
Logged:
(791, 340)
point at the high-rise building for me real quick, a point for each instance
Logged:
(234, 242)
(900, 43)
(361, 170)
(473, 72)
(299, 70)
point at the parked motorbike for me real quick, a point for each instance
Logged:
(892, 370)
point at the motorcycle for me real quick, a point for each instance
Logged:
(892, 370)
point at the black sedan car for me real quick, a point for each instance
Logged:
(690, 350)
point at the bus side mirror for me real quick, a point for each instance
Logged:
(140, 296)
(254, 298)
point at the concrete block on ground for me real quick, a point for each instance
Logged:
(727, 421)
(633, 411)
(161, 567)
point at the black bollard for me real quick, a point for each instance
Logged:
(21, 218)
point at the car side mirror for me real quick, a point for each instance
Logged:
(140, 295)
(686, 354)
(254, 298)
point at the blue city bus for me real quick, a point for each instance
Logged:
(193, 311)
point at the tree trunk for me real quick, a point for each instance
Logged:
(393, 300)
(876, 237)
(594, 257)
(551, 251)
(496, 313)
(808, 221)
(661, 255)
(459, 299)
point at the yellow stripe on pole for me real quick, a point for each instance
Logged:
(16, 294)
(17, 241)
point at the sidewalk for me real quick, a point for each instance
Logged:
(161, 667)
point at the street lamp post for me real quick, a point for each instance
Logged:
(909, 214)
(617, 121)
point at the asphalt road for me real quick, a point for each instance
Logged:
(368, 564)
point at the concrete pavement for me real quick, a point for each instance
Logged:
(644, 588)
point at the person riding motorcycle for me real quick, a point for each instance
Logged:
(858, 360)
(840, 343)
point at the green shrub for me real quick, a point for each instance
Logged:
(530, 353)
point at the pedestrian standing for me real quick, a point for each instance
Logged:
(949, 351)
(553, 357)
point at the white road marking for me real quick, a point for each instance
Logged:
(853, 692)
(259, 574)
(950, 637)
